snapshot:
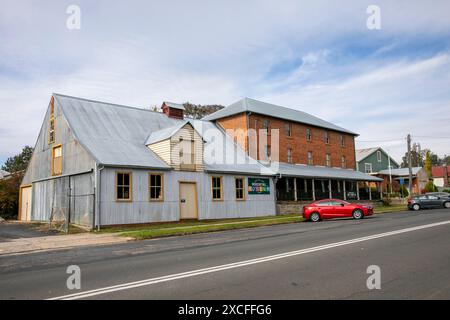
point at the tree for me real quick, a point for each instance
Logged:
(428, 164)
(9, 187)
(198, 111)
(19, 162)
(417, 156)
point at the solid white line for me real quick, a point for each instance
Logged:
(146, 282)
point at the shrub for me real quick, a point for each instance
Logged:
(430, 187)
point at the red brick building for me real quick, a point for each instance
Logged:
(315, 158)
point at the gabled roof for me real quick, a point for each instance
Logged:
(3, 174)
(164, 134)
(117, 135)
(438, 172)
(174, 105)
(401, 172)
(362, 154)
(114, 134)
(255, 106)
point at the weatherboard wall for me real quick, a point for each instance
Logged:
(142, 210)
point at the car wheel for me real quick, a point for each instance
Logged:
(358, 214)
(416, 207)
(315, 217)
(447, 205)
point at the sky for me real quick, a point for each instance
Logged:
(316, 56)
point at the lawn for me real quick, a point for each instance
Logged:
(150, 231)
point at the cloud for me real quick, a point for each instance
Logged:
(317, 56)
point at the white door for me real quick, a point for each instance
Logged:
(188, 200)
(25, 205)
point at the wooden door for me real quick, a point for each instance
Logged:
(25, 204)
(188, 200)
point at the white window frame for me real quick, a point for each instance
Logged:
(379, 156)
(368, 165)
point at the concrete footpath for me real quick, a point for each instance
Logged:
(58, 242)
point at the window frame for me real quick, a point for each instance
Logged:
(150, 174)
(328, 160)
(221, 188)
(50, 121)
(342, 140)
(308, 158)
(365, 167)
(344, 162)
(130, 186)
(59, 146)
(288, 130)
(308, 134)
(289, 155)
(243, 189)
(379, 156)
(327, 137)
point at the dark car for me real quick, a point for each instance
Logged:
(439, 194)
(428, 201)
(334, 208)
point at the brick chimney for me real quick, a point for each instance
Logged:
(173, 110)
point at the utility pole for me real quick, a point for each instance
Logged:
(408, 139)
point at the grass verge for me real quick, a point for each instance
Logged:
(392, 208)
(158, 231)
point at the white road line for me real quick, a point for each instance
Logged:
(193, 273)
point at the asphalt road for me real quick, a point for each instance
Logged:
(414, 263)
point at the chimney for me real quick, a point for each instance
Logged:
(173, 110)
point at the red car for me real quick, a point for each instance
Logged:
(333, 208)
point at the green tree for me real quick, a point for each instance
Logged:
(198, 111)
(9, 187)
(18, 162)
(428, 164)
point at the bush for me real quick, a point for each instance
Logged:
(387, 201)
(404, 191)
(430, 187)
(9, 196)
(446, 190)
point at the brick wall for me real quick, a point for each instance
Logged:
(297, 142)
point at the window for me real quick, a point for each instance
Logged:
(288, 129)
(379, 156)
(123, 186)
(57, 160)
(187, 154)
(328, 160)
(367, 167)
(239, 185)
(51, 125)
(327, 137)
(266, 124)
(310, 158)
(308, 135)
(342, 141)
(216, 186)
(156, 187)
(343, 162)
(289, 155)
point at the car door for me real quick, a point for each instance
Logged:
(325, 209)
(434, 202)
(340, 209)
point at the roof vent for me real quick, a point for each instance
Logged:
(173, 110)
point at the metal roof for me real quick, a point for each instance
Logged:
(174, 105)
(164, 134)
(113, 134)
(400, 171)
(361, 154)
(304, 171)
(251, 105)
(3, 174)
(117, 135)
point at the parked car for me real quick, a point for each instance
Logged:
(334, 208)
(439, 194)
(428, 201)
